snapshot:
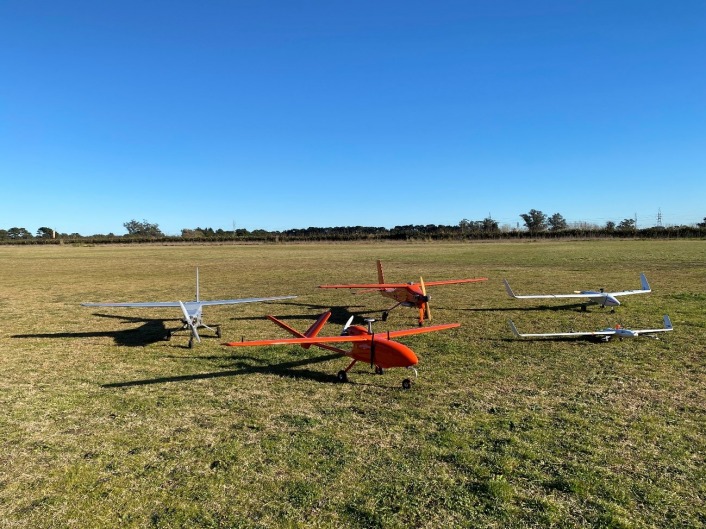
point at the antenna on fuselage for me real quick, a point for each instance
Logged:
(197, 284)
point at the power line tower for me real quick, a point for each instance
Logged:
(659, 217)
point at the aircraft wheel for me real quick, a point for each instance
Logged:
(378, 370)
(191, 343)
(168, 336)
(385, 314)
(218, 331)
(406, 383)
(342, 376)
(583, 308)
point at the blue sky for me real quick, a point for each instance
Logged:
(277, 115)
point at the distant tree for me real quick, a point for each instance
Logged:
(191, 234)
(490, 225)
(535, 220)
(610, 226)
(702, 224)
(626, 225)
(18, 233)
(4, 234)
(557, 222)
(45, 233)
(142, 229)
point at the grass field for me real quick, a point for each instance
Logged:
(105, 425)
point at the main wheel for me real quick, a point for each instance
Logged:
(342, 376)
(378, 370)
(385, 314)
(191, 342)
(168, 336)
(218, 331)
(406, 383)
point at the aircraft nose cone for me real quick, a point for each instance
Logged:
(411, 358)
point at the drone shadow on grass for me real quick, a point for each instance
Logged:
(250, 365)
(151, 331)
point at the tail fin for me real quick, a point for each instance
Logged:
(381, 276)
(311, 332)
(644, 283)
(514, 329)
(667, 322)
(509, 290)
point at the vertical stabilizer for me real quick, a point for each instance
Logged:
(667, 323)
(311, 331)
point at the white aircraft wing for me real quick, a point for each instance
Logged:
(159, 304)
(136, 305)
(558, 334)
(242, 300)
(581, 294)
(618, 331)
(667, 327)
(510, 293)
(644, 290)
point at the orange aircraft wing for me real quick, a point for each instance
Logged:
(343, 339)
(372, 286)
(454, 281)
(381, 286)
(303, 341)
(420, 330)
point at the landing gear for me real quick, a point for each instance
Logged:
(218, 331)
(378, 370)
(385, 314)
(191, 342)
(406, 383)
(342, 376)
(168, 336)
(583, 307)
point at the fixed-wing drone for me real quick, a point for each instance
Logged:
(405, 294)
(600, 297)
(191, 310)
(378, 349)
(604, 334)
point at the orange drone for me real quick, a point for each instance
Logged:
(378, 349)
(405, 294)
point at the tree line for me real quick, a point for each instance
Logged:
(537, 224)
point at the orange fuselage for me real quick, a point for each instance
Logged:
(410, 296)
(387, 353)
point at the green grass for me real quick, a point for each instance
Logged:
(105, 425)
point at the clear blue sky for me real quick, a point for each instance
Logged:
(289, 114)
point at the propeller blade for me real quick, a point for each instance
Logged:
(427, 309)
(187, 320)
(345, 327)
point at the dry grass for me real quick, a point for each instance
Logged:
(105, 425)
